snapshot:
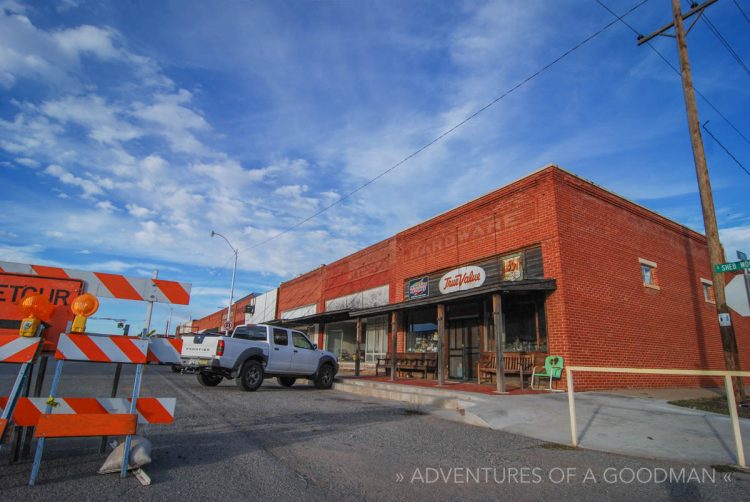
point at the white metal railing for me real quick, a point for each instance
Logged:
(731, 403)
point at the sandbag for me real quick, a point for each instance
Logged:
(140, 454)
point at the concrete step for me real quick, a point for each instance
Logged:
(449, 405)
(442, 392)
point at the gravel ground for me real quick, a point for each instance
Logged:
(297, 443)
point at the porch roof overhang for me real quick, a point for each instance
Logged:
(320, 317)
(508, 286)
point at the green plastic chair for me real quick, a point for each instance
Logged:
(553, 366)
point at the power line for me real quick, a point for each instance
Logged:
(448, 131)
(742, 11)
(677, 72)
(725, 148)
(713, 29)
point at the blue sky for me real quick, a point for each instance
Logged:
(129, 130)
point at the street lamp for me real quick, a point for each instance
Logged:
(231, 291)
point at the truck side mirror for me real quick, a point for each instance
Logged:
(315, 346)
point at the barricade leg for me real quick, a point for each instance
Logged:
(40, 373)
(19, 432)
(48, 410)
(13, 399)
(115, 384)
(133, 410)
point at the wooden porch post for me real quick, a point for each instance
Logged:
(497, 314)
(442, 360)
(359, 346)
(394, 343)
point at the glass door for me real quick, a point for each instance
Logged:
(463, 347)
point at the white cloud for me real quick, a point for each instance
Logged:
(21, 254)
(89, 187)
(25, 161)
(87, 40)
(99, 118)
(735, 239)
(138, 211)
(170, 116)
(106, 206)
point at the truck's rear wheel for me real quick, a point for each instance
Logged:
(251, 376)
(286, 381)
(324, 378)
(209, 380)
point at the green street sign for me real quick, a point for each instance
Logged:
(732, 266)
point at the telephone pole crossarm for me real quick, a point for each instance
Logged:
(688, 14)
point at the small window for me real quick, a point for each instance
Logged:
(280, 336)
(648, 273)
(251, 332)
(708, 291)
(300, 341)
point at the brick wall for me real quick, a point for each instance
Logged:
(216, 319)
(612, 318)
(303, 290)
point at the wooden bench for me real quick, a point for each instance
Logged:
(409, 363)
(514, 363)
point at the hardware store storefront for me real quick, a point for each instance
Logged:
(574, 270)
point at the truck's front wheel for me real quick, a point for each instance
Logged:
(324, 378)
(209, 380)
(251, 376)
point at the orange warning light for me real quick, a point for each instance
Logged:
(35, 309)
(85, 305)
(36, 305)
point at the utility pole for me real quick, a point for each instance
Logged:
(715, 254)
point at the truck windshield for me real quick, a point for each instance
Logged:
(257, 333)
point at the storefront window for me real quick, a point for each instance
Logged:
(341, 339)
(422, 331)
(525, 326)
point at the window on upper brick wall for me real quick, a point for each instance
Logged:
(708, 291)
(648, 273)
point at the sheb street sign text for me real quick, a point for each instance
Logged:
(733, 266)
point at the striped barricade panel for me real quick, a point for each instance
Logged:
(150, 410)
(85, 425)
(164, 350)
(102, 349)
(18, 349)
(111, 285)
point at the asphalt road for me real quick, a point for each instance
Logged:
(303, 443)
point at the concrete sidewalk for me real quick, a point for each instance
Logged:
(643, 427)
(638, 422)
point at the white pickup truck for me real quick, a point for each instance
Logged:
(255, 351)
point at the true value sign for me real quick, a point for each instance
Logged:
(733, 266)
(462, 279)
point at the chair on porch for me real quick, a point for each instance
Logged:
(553, 366)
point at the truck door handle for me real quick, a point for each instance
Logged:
(275, 348)
(295, 351)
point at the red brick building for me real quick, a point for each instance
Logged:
(216, 320)
(582, 273)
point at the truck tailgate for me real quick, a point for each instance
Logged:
(202, 346)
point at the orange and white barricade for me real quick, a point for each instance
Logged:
(163, 350)
(19, 350)
(94, 418)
